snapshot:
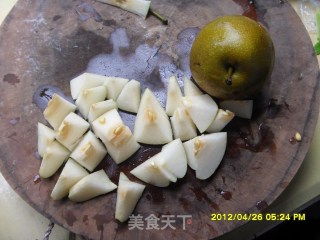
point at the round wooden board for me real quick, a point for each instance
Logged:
(44, 44)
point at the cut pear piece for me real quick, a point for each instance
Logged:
(174, 96)
(151, 172)
(221, 120)
(182, 125)
(139, 7)
(70, 175)
(71, 130)
(128, 195)
(90, 96)
(99, 108)
(45, 136)
(174, 159)
(85, 81)
(190, 89)
(202, 109)
(105, 125)
(152, 124)
(123, 151)
(89, 152)
(114, 86)
(117, 137)
(53, 158)
(90, 186)
(58, 108)
(205, 152)
(241, 108)
(129, 98)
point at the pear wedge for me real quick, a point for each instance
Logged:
(174, 159)
(190, 89)
(90, 96)
(114, 86)
(202, 109)
(139, 7)
(125, 149)
(151, 172)
(129, 98)
(182, 125)
(90, 186)
(53, 158)
(106, 124)
(89, 152)
(99, 108)
(71, 130)
(152, 125)
(128, 195)
(241, 108)
(174, 96)
(117, 137)
(205, 152)
(70, 175)
(85, 81)
(58, 108)
(221, 120)
(45, 136)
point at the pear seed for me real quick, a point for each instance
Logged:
(298, 137)
(88, 149)
(118, 130)
(198, 145)
(102, 120)
(151, 116)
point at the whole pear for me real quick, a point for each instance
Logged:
(232, 57)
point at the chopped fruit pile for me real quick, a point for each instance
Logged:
(79, 142)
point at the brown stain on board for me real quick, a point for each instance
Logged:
(11, 78)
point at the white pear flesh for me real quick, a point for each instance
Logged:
(129, 98)
(182, 125)
(71, 130)
(45, 136)
(114, 86)
(128, 195)
(190, 89)
(221, 120)
(105, 125)
(90, 96)
(85, 81)
(152, 125)
(91, 186)
(123, 151)
(89, 152)
(99, 108)
(174, 96)
(174, 159)
(70, 175)
(241, 108)
(117, 137)
(205, 152)
(202, 110)
(58, 108)
(139, 7)
(151, 172)
(53, 158)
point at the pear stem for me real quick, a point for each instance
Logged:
(160, 17)
(229, 79)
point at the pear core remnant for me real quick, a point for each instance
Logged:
(232, 57)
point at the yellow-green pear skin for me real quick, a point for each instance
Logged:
(232, 57)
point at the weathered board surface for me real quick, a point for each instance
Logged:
(44, 44)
